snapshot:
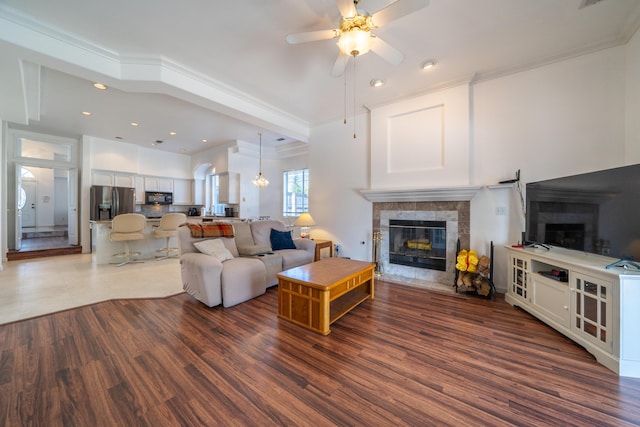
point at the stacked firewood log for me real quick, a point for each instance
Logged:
(474, 273)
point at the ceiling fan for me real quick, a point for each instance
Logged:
(354, 35)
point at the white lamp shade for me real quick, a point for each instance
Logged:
(304, 220)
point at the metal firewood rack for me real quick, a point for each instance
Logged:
(490, 275)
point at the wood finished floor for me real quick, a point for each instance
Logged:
(411, 357)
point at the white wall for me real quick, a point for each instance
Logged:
(338, 169)
(123, 157)
(633, 100)
(3, 192)
(244, 161)
(561, 119)
(422, 142)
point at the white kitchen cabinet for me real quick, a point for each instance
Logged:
(182, 191)
(229, 188)
(112, 179)
(124, 180)
(154, 183)
(574, 293)
(139, 186)
(102, 178)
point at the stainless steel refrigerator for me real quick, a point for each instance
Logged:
(107, 202)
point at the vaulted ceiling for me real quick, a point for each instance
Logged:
(222, 70)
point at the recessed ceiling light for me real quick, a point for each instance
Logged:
(86, 113)
(376, 82)
(172, 133)
(153, 144)
(429, 63)
(204, 140)
(100, 86)
(134, 124)
(182, 150)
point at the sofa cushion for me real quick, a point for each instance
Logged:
(281, 240)
(214, 248)
(242, 231)
(261, 231)
(294, 258)
(253, 250)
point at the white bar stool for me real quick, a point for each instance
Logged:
(167, 229)
(125, 228)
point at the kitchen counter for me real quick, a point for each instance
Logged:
(211, 218)
(102, 248)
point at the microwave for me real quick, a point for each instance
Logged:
(155, 198)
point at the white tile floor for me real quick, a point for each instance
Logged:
(40, 286)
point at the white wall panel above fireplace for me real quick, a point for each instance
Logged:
(416, 140)
(422, 140)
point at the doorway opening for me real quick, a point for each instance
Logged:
(43, 202)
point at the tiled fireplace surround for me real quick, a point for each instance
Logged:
(457, 216)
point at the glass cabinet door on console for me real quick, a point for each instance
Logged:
(519, 286)
(593, 307)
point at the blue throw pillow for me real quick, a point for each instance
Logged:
(281, 240)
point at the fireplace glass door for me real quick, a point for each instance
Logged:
(421, 244)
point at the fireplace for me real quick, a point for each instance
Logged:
(448, 221)
(421, 244)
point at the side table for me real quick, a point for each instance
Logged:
(322, 244)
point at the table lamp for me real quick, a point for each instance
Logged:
(304, 221)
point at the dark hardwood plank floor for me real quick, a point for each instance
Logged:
(410, 357)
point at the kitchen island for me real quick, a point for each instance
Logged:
(102, 248)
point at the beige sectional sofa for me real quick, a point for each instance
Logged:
(241, 264)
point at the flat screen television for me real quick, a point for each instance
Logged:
(596, 212)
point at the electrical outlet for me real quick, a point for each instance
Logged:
(501, 210)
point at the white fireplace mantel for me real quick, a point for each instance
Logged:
(454, 194)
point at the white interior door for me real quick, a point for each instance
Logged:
(18, 221)
(72, 188)
(28, 195)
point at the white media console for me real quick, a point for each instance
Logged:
(575, 294)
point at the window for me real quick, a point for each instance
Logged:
(296, 192)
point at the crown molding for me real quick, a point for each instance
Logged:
(65, 52)
(452, 194)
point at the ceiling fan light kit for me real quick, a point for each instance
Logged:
(355, 35)
(355, 42)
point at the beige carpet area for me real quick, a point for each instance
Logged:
(35, 287)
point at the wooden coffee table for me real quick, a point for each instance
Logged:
(317, 294)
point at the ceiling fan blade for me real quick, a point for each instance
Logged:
(347, 8)
(388, 53)
(340, 64)
(397, 10)
(312, 36)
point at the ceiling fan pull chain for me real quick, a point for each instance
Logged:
(354, 96)
(345, 95)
